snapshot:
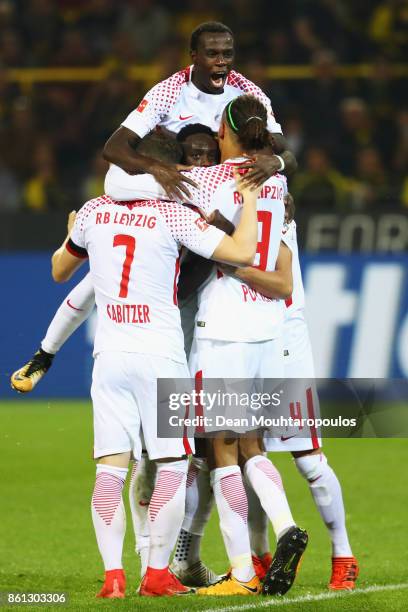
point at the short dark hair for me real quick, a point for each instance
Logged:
(193, 128)
(162, 148)
(247, 117)
(213, 27)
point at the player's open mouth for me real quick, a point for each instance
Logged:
(218, 79)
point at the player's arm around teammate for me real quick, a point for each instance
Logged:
(277, 284)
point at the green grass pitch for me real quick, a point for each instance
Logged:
(47, 541)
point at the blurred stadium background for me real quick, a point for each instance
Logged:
(337, 75)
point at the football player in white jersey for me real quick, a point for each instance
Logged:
(305, 447)
(196, 94)
(133, 249)
(238, 335)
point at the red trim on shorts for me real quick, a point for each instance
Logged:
(187, 448)
(311, 415)
(199, 411)
(288, 302)
(176, 275)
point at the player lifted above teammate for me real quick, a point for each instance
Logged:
(197, 94)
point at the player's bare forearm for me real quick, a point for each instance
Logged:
(63, 264)
(290, 162)
(120, 150)
(240, 248)
(276, 284)
(280, 147)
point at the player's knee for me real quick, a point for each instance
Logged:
(248, 448)
(311, 466)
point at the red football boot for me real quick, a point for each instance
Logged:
(114, 586)
(344, 573)
(159, 582)
(262, 564)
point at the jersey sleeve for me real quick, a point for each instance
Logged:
(288, 235)
(120, 185)
(238, 80)
(208, 180)
(156, 104)
(189, 229)
(76, 242)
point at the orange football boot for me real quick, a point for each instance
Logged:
(159, 582)
(344, 573)
(114, 586)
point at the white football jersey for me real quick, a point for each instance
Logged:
(177, 102)
(133, 251)
(297, 300)
(228, 309)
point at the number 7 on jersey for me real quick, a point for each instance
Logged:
(130, 243)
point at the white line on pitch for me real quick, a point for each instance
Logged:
(269, 601)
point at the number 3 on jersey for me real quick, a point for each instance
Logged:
(265, 219)
(130, 243)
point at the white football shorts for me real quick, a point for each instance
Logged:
(124, 396)
(243, 364)
(298, 363)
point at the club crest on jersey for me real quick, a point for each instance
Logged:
(142, 105)
(201, 224)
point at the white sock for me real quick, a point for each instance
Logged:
(73, 311)
(267, 484)
(199, 502)
(141, 487)
(232, 505)
(257, 523)
(166, 511)
(108, 514)
(326, 491)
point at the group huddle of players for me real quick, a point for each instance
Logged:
(197, 174)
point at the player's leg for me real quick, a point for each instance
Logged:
(312, 464)
(266, 481)
(167, 502)
(141, 487)
(115, 414)
(187, 564)
(226, 479)
(73, 311)
(258, 532)
(109, 520)
(327, 495)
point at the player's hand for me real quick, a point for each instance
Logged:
(260, 168)
(172, 181)
(71, 220)
(289, 207)
(181, 167)
(245, 189)
(218, 220)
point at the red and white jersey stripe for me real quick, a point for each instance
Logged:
(177, 102)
